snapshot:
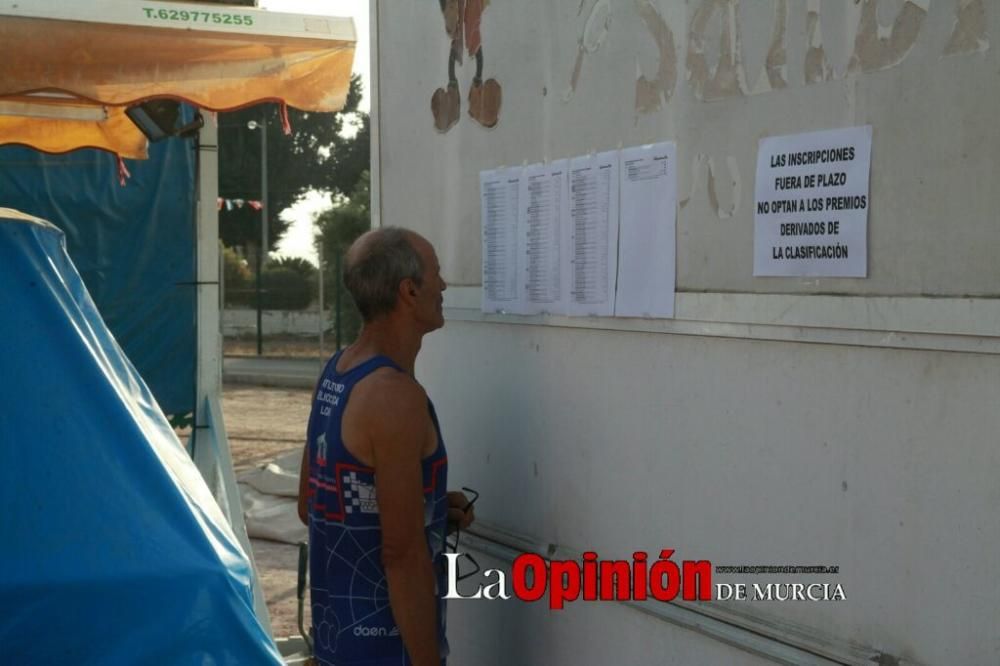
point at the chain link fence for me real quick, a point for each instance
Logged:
(292, 309)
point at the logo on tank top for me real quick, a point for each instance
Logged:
(359, 497)
(321, 449)
(362, 631)
(329, 395)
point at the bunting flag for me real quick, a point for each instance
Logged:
(229, 204)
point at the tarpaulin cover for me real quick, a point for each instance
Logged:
(134, 247)
(114, 551)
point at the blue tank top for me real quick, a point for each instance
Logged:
(352, 620)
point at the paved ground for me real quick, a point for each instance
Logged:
(263, 423)
(264, 371)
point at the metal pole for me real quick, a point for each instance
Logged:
(322, 309)
(222, 282)
(263, 228)
(336, 281)
(260, 342)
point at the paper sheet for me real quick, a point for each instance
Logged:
(591, 238)
(811, 208)
(648, 252)
(499, 191)
(544, 205)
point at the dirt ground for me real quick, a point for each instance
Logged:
(263, 423)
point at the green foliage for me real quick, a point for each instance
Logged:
(286, 288)
(337, 228)
(238, 280)
(289, 283)
(297, 264)
(315, 157)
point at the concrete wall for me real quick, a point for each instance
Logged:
(880, 461)
(773, 421)
(275, 322)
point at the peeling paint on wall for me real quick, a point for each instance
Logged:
(729, 77)
(696, 163)
(595, 31)
(969, 35)
(776, 65)
(715, 74)
(462, 19)
(876, 47)
(651, 94)
(735, 184)
(817, 69)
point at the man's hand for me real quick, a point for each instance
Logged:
(461, 513)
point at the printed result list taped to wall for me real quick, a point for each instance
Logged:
(500, 192)
(558, 238)
(648, 252)
(544, 204)
(591, 237)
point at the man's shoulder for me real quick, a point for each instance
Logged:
(389, 389)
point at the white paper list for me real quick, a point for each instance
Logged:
(590, 259)
(544, 204)
(500, 191)
(648, 253)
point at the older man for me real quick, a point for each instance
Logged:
(374, 472)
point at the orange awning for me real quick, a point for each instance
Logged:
(112, 66)
(115, 133)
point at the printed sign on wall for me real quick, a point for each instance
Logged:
(812, 198)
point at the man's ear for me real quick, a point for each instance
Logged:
(407, 289)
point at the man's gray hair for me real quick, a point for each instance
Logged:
(386, 258)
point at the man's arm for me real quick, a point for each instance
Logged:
(304, 487)
(398, 422)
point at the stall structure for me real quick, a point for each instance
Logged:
(88, 75)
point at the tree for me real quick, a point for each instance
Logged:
(289, 284)
(237, 279)
(337, 228)
(317, 156)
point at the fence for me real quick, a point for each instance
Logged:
(294, 310)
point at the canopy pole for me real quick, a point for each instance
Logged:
(262, 255)
(212, 454)
(209, 367)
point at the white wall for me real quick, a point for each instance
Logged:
(774, 421)
(932, 229)
(880, 461)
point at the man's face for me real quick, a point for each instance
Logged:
(430, 299)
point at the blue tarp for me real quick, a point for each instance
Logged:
(112, 548)
(133, 245)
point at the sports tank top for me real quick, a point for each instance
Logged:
(352, 620)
